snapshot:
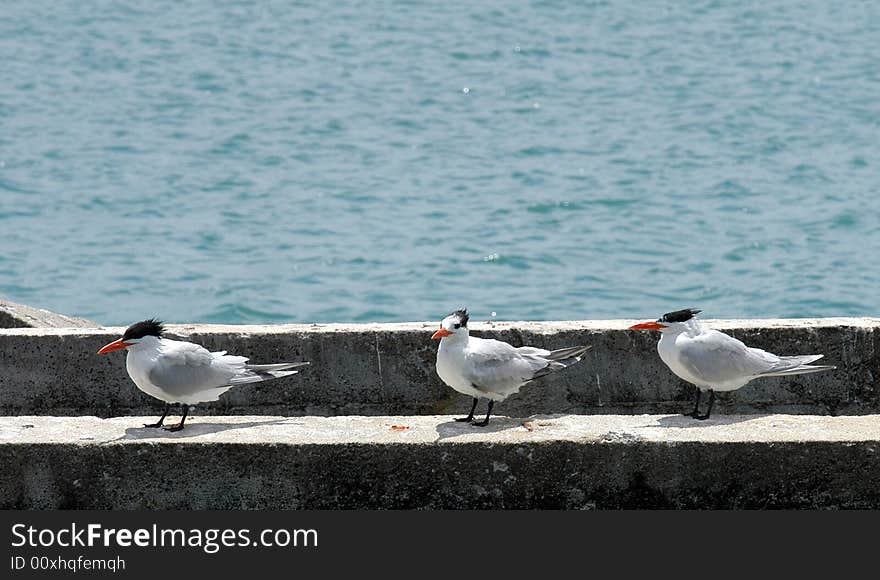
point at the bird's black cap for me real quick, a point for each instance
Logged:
(144, 328)
(680, 315)
(462, 316)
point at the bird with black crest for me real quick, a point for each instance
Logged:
(176, 371)
(713, 361)
(485, 368)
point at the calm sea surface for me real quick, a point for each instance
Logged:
(248, 162)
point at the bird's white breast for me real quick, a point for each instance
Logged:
(451, 368)
(670, 351)
(138, 363)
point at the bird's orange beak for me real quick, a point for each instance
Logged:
(440, 334)
(652, 325)
(115, 345)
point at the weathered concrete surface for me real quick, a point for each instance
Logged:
(388, 369)
(569, 461)
(13, 315)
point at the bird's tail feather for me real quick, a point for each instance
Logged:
(797, 365)
(799, 370)
(562, 358)
(799, 359)
(275, 366)
(258, 373)
(572, 352)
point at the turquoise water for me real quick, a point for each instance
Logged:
(376, 161)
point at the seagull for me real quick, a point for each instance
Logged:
(491, 369)
(183, 372)
(714, 361)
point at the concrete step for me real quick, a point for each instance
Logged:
(14, 315)
(564, 461)
(388, 369)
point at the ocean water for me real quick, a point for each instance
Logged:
(266, 161)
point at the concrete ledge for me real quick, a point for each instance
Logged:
(571, 462)
(13, 315)
(388, 369)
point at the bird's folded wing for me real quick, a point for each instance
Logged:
(185, 367)
(495, 364)
(717, 358)
(186, 379)
(187, 354)
(529, 350)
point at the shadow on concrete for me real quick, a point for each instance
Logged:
(453, 428)
(195, 428)
(683, 422)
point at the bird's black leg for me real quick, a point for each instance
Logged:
(470, 416)
(485, 421)
(709, 410)
(179, 426)
(696, 410)
(161, 420)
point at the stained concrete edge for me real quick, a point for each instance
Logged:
(440, 429)
(14, 315)
(559, 462)
(184, 330)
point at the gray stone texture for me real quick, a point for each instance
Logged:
(388, 369)
(13, 315)
(565, 462)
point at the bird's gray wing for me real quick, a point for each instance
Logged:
(186, 368)
(496, 366)
(718, 358)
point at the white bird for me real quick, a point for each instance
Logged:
(491, 369)
(714, 361)
(183, 372)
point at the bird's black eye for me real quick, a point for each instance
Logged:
(456, 326)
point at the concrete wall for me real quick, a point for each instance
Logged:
(576, 440)
(568, 462)
(13, 315)
(388, 369)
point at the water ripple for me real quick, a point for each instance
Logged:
(320, 162)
